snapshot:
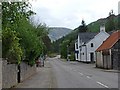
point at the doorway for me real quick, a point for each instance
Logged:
(92, 57)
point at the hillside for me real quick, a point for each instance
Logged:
(92, 27)
(58, 32)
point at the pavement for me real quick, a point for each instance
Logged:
(92, 65)
(44, 78)
(114, 71)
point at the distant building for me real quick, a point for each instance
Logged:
(108, 54)
(87, 43)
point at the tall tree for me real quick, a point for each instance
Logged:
(110, 25)
(83, 27)
(21, 39)
(118, 25)
(64, 48)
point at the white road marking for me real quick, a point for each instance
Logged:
(81, 73)
(102, 84)
(88, 77)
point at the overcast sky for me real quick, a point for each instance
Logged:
(69, 13)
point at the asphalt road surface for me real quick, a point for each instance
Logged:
(58, 73)
(81, 75)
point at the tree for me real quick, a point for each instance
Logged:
(11, 49)
(118, 25)
(21, 39)
(12, 12)
(82, 27)
(110, 25)
(64, 48)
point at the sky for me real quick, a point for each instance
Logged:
(70, 13)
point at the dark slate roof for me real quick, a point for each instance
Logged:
(110, 32)
(86, 36)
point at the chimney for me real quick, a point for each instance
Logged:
(119, 7)
(102, 28)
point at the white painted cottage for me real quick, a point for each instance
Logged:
(87, 43)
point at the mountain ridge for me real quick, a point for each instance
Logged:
(56, 33)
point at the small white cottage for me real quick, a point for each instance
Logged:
(87, 43)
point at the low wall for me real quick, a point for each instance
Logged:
(10, 73)
(26, 71)
(0, 73)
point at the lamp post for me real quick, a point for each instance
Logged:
(68, 53)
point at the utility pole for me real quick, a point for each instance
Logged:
(68, 59)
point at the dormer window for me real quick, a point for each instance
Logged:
(92, 45)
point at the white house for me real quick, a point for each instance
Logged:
(87, 43)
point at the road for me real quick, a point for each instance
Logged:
(81, 75)
(58, 73)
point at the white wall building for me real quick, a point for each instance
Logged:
(87, 43)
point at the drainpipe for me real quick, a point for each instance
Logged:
(110, 59)
(96, 59)
(80, 52)
(86, 53)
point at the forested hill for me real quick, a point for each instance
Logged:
(95, 26)
(92, 27)
(58, 32)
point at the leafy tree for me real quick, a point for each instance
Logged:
(12, 12)
(118, 22)
(11, 48)
(21, 39)
(42, 33)
(64, 48)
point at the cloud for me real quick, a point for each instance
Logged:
(69, 13)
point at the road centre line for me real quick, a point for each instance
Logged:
(88, 77)
(102, 84)
(81, 73)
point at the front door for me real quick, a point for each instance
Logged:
(92, 57)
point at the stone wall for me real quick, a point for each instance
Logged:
(10, 73)
(115, 55)
(26, 71)
(0, 73)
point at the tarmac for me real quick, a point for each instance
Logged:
(44, 78)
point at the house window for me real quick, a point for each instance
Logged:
(80, 48)
(91, 44)
(83, 53)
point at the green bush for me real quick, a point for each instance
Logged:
(72, 57)
(11, 48)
